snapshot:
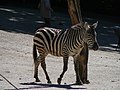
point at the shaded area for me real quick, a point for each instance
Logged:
(40, 85)
(34, 85)
(20, 3)
(108, 7)
(18, 20)
(27, 20)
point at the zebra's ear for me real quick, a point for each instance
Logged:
(94, 25)
(86, 26)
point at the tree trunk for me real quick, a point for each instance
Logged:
(74, 11)
(76, 17)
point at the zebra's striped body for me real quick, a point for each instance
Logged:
(63, 43)
(53, 42)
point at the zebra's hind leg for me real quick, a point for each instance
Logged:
(43, 65)
(36, 62)
(65, 67)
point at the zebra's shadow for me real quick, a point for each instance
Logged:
(34, 85)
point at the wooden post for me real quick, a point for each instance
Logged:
(74, 11)
(76, 17)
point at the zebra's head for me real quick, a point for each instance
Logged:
(90, 35)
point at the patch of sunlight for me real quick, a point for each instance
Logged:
(89, 18)
(117, 27)
(39, 22)
(8, 10)
(13, 19)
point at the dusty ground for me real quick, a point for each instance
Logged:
(16, 64)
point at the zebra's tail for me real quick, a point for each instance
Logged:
(34, 53)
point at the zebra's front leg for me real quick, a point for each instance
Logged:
(76, 67)
(43, 65)
(83, 68)
(65, 67)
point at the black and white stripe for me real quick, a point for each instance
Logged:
(63, 43)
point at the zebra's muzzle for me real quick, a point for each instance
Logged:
(95, 46)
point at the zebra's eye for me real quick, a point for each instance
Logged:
(91, 32)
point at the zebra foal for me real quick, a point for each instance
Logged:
(62, 43)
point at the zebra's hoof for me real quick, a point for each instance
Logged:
(59, 81)
(49, 82)
(78, 83)
(37, 80)
(86, 81)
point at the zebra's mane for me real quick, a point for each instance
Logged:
(76, 31)
(78, 27)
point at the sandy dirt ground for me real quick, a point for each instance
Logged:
(16, 65)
